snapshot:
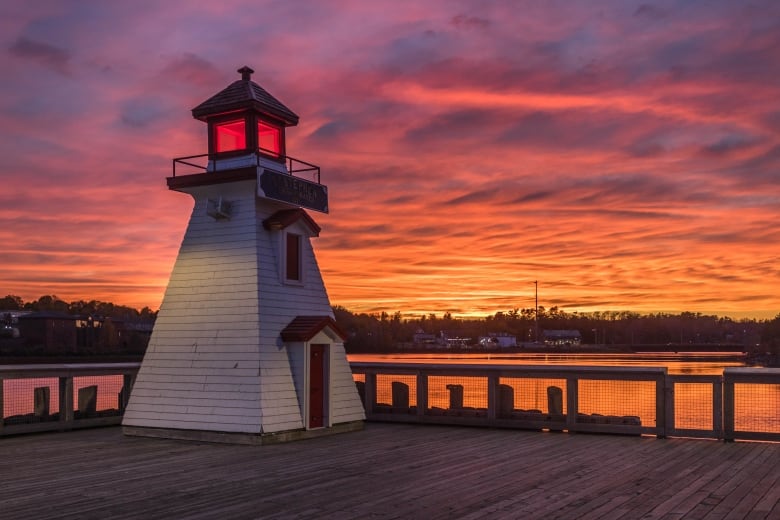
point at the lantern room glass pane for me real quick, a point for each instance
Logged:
(269, 139)
(230, 136)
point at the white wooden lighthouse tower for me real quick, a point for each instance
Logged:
(245, 347)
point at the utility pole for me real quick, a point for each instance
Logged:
(536, 311)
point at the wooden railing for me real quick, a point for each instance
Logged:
(36, 398)
(741, 404)
(751, 403)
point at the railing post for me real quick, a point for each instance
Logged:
(572, 398)
(717, 408)
(128, 380)
(728, 409)
(492, 396)
(661, 399)
(422, 393)
(2, 406)
(370, 397)
(66, 402)
(669, 423)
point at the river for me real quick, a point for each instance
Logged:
(698, 363)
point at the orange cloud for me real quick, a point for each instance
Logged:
(625, 161)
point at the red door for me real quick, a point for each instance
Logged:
(316, 385)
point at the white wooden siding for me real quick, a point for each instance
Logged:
(201, 368)
(216, 360)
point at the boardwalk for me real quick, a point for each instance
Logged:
(388, 471)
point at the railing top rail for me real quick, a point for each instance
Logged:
(695, 378)
(66, 369)
(586, 371)
(750, 371)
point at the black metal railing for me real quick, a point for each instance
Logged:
(295, 167)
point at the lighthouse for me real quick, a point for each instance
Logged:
(245, 348)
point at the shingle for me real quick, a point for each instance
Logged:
(245, 94)
(287, 217)
(303, 328)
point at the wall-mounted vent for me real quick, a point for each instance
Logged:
(219, 208)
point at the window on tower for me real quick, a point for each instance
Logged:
(230, 136)
(269, 139)
(292, 257)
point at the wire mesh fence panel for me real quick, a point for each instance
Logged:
(396, 392)
(537, 395)
(458, 395)
(693, 406)
(359, 377)
(757, 407)
(97, 396)
(31, 400)
(619, 402)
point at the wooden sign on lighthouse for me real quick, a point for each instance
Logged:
(245, 347)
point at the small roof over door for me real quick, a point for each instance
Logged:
(287, 217)
(304, 328)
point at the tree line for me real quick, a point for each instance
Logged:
(380, 332)
(52, 303)
(384, 332)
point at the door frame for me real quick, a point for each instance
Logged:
(324, 348)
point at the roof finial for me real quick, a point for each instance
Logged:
(246, 73)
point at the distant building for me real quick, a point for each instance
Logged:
(498, 340)
(453, 339)
(9, 323)
(421, 338)
(562, 338)
(55, 332)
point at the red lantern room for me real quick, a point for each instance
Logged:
(244, 121)
(246, 139)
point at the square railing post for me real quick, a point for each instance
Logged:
(717, 408)
(492, 396)
(670, 412)
(128, 380)
(728, 409)
(2, 409)
(370, 396)
(661, 399)
(422, 393)
(572, 406)
(66, 402)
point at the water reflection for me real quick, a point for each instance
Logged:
(698, 363)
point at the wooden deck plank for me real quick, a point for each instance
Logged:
(612, 478)
(388, 471)
(678, 491)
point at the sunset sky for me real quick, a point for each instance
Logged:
(625, 154)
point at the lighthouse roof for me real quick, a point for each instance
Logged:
(245, 94)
